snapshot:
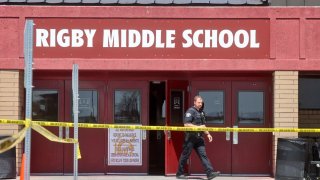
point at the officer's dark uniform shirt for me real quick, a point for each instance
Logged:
(195, 117)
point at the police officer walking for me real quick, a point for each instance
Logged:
(195, 117)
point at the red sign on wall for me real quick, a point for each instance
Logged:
(152, 38)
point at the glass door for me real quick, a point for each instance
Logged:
(217, 106)
(92, 141)
(177, 104)
(47, 105)
(127, 150)
(251, 152)
(236, 104)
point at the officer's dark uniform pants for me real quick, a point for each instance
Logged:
(194, 142)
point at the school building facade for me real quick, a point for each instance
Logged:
(254, 66)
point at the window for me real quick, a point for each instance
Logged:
(176, 107)
(127, 107)
(88, 106)
(213, 106)
(309, 93)
(45, 105)
(250, 107)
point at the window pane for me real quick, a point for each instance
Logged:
(213, 106)
(176, 107)
(88, 106)
(251, 107)
(127, 107)
(45, 105)
(309, 96)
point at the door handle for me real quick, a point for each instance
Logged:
(235, 136)
(60, 132)
(227, 135)
(144, 134)
(168, 135)
(159, 135)
(67, 132)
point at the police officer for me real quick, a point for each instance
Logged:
(194, 117)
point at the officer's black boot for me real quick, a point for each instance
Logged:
(181, 176)
(213, 175)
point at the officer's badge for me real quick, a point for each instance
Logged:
(188, 114)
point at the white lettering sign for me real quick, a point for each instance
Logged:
(133, 38)
(145, 38)
(224, 39)
(64, 37)
(124, 147)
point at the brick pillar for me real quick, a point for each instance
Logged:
(11, 104)
(285, 107)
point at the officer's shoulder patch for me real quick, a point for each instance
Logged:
(188, 114)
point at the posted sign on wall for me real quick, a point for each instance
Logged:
(124, 147)
(152, 38)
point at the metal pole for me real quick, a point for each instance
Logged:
(75, 92)
(28, 61)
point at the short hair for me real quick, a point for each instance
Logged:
(197, 97)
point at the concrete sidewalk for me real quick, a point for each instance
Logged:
(144, 177)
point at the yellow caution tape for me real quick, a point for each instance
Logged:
(7, 121)
(28, 123)
(78, 151)
(167, 128)
(10, 142)
(52, 137)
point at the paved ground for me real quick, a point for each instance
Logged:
(147, 177)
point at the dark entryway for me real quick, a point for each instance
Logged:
(157, 116)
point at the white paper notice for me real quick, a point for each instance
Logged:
(124, 147)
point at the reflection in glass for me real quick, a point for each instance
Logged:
(214, 106)
(88, 106)
(127, 106)
(251, 107)
(45, 105)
